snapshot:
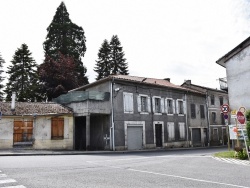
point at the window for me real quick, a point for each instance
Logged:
(212, 99)
(202, 111)
(182, 131)
(171, 131)
(170, 106)
(158, 105)
(193, 111)
(143, 103)
(128, 103)
(213, 117)
(180, 107)
(57, 128)
(221, 101)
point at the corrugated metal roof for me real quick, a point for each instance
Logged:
(31, 108)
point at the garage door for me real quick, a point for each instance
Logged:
(134, 137)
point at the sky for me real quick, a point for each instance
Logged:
(176, 39)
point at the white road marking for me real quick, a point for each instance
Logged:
(17, 186)
(7, 181)
(232, 161)
(168, 175)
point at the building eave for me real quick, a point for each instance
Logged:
(222, 61)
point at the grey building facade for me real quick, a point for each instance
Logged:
(131, 113)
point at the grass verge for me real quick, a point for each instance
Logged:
(225, 154)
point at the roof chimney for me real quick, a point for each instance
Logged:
(188, 82)
(13, 101)
(167, 79)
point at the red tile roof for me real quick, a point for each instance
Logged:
(31, 108)
(153, 81)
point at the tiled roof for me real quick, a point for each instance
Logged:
(153, 81)
(31, 108)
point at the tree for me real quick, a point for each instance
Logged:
(23, 78)
(111, 59)
(68, 39)
(103, 66)
(1, 77)
(58, 75)
(118, 62)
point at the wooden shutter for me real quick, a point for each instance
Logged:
(162, 106)
(149, 104)
(139, 103)
(57, 128)
(173, 102)
(182, 130)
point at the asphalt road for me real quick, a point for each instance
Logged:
(180, 168)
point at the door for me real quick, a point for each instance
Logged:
(196, 136)
(135, 137)
(23, 131)
(158, 135)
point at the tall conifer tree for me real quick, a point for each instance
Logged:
(103, 66)
(111, 59)
(66, 38)
(118, 62)
(1, 77)
(23, 78)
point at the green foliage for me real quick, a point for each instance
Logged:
(226, 154)
(1, 77)
(242, 154)
(103, 66)
(23, 78)
(111, 59)
(65, 37)
(118, 62)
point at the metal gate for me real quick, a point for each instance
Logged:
(23, 131)
(135, 137)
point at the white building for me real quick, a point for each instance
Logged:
(237, 64)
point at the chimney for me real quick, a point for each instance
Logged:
(167, 79)
(13, 97)
(188, 82)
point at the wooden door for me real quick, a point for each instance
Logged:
(23, 131)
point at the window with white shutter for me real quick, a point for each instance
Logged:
(171, 131)
(180, 107)
(128, 103)
(143, 102)
(182, 131)
(158, 105)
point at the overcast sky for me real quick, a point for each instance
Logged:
(177, 39)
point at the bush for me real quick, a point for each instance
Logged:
(242, 154)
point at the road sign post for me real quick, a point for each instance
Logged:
(225, 110)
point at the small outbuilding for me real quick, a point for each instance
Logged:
(36, 125)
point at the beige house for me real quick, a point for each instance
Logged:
(36, 125)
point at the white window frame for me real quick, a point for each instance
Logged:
(173, 105)
(182, 130)
(161, 105)
(128, 103)
(148, 108)
(183, 106)
(171, 131)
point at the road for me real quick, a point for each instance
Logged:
(180, 168)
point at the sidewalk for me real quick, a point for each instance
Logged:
(33, 152)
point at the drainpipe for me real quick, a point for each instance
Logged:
(208, 120)
(185, 97)
(112, 128)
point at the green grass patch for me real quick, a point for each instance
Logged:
(225, 154)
